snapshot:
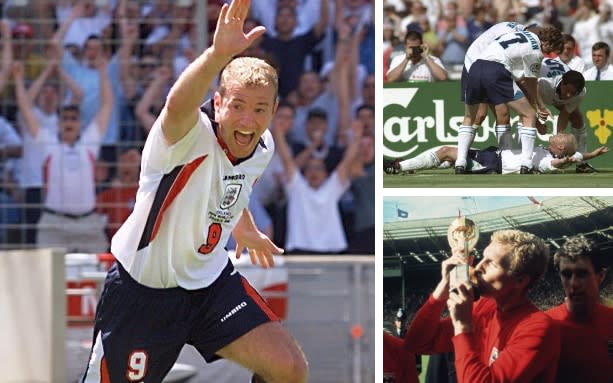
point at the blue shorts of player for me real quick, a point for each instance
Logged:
(156, 323)
(488, 82)
(488, 158)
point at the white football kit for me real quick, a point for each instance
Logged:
(488, 37)
(189, 199)
(548, 90)
(519, 52)
(541, 160)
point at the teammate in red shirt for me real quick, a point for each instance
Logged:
(398, 362)
(503, 337)
(586, 325)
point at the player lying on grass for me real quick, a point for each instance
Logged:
(562, 151)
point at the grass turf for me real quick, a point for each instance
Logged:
(445, 178)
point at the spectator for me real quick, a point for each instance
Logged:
(568, 57)
(46, 96)
(10, 213)
(600, 58)
(68, 219)
(585, 323)
(477, 24)
(453, 40)
(22, 49)
(307, 14)
(316, 146)
(503, 336)
(7, 52)
(313, 197)
(291, 65)
(85, 72)
(416, 64)
(585, 29)
(117, 202)
(92, 20)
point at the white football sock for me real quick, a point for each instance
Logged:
(425, 160)
(581, 137)
(466, 136)
(527, 136)
(504, 137)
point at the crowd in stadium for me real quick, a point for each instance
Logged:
(449, 27)
(83, 81)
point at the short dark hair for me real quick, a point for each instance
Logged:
(317, 113)
(574, 78)
(364, 107)
(413, 35)
(70, 108)
(567, 37)
(602, 45)
(581, 247)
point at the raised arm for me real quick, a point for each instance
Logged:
(154, 90)
(320, 27)
(76, 93)
(183, 102)
(7, 53)
(282, 148)
(38, 83)
(24, 103)
(129, 35)
(103, 115)
(343, 169)
(57, 41)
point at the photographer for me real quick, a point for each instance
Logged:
(416, 64)
(502, 337)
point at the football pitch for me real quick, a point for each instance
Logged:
(445, 178)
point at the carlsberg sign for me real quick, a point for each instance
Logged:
(419, 116)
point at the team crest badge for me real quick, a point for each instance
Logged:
(493, 355)
(230, 195)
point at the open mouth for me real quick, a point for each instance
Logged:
(243, 138)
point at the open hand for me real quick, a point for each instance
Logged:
(229, 38)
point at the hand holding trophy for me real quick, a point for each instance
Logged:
(463, 234)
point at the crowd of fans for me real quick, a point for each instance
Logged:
(52, 88)
(448, 27)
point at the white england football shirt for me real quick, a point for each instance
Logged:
(488, 37)
(548, 85)
(189, 199)
(541, 160)
(519, 52)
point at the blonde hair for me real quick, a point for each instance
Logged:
(565, 142)
(529, 255)
(249, 72)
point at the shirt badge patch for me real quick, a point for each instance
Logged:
(230, 195)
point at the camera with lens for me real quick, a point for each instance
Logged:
(417, 51)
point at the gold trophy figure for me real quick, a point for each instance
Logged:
(463, 233)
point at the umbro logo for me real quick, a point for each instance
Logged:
(236, 309)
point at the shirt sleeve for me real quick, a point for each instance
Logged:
(533, 347)
(428, 334)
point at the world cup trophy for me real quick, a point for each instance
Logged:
(463, 233)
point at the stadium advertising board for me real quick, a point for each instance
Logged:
(420, 116)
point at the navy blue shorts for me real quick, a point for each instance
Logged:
(488, 82)
(488, 158)
(140, 331)
(463, 83)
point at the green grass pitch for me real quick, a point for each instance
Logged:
(445, 178)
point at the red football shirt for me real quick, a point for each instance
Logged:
(587, 348)
(398, 362)
(520, 345)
